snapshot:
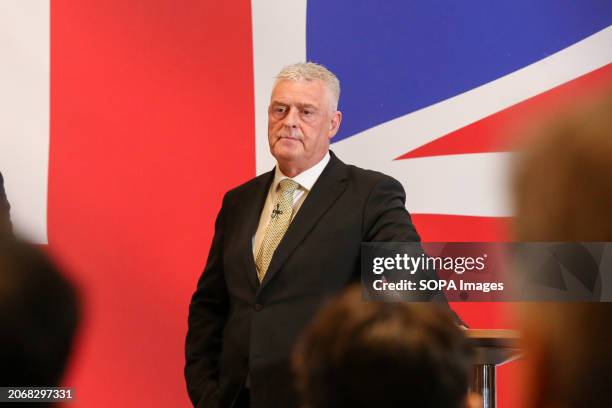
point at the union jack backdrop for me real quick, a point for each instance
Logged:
(123, 123)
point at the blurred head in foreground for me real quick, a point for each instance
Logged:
(38, 317)
(366, 354)
(563, 191)
(563, 179)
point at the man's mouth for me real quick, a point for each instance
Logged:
(290, 138)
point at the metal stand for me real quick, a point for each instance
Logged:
(483, 383)
(494, 348)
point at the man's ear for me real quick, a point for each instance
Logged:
(334, 124)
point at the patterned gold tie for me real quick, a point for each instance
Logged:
(281, 218)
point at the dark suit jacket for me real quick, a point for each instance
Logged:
(239, 327)
(5, 218)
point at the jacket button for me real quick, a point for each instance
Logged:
(257, 307)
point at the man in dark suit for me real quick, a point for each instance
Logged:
(5, 218)
(284, 243)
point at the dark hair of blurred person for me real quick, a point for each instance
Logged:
(38, 316)
(367, 354)
(563, 192)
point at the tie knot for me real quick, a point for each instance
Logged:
(288, 186)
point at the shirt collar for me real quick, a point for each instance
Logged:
(305, 179)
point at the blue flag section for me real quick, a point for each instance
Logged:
(395, 57)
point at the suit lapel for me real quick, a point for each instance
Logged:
(324, 193)
(250, 221)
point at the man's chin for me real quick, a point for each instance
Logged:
(286, 153)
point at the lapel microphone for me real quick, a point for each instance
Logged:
(276, 211)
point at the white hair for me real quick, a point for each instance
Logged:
(310, 71)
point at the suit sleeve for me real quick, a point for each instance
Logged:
(385, 217)
(208, 314)
(5, 217)
(387, 220)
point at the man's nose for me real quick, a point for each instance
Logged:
(291, 119)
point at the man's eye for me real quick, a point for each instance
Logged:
(307, 112)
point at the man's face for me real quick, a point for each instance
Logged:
(301, 122)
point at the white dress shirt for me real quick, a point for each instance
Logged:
(305, 179)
